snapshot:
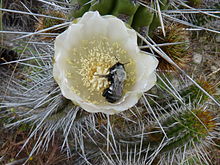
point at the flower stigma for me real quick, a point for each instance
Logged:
(90, 63)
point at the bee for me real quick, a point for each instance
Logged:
(117, 75)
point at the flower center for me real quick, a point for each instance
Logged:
(94, 68)
(90, 63)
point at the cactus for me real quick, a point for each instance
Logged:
(194, 3)
(187, 129)
(138, 17)
(79, 8)
(164, 4)
(180, 52)
(195, 94)
(169, 125)
(45, 22)
(142, 20)
(104, 6)
(184, 129)
(125, 10)
(196, 123)
(201, 19)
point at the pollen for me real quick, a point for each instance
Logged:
(96, 66)
(90, 63)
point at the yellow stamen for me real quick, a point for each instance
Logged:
(90, 63)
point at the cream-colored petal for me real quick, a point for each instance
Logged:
(87, 16)
(96, 109)
(74, 35)
(56, 74)
(132, 35)
(93, 24)
(117, 31)
(131, 43)
(69, 94)
(152, 63)
(145, 66)
(132, 48)
(129, 102)
(151, 81)
(69, 38)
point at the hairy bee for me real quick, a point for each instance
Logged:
(116, 77)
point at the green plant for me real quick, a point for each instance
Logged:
(169, 125)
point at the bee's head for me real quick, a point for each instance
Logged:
(118, 63)
(121, 64)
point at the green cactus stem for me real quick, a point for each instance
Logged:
(125, 10)
(164, 4)
(194, 3)
(196, 94)
(139, 17)
(187, 127)
(79, 8)
(45, 22)
(190, 94)
(142, 20)
(104, 7)
(179, 53)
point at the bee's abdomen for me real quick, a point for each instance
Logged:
(109, 96)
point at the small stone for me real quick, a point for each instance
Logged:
(197, 58)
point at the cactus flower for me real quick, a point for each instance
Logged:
(86, 51)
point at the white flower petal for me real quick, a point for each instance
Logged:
(117, 30)
(69, 38)
(151, 81)
(110, 27)
(145, 69)
(93, 24)
(131, 43)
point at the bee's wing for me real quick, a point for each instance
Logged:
(117, 87)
